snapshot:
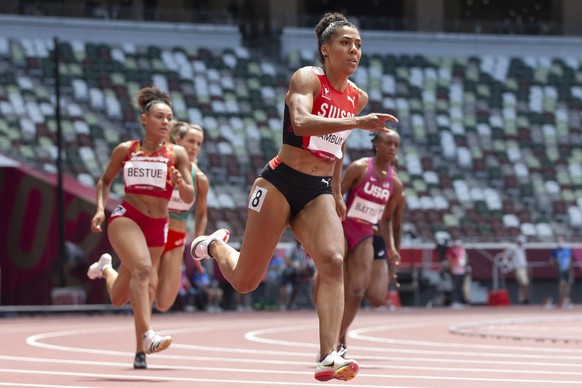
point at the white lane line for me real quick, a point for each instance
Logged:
(388, 357)
(161, 379)
(506, 328)
(364, 366)
(256, 336)
(286, 329)
(359, 334)
(36, 339)
(43, 385)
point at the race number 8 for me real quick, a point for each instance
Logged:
(257, 198)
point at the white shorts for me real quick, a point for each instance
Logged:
(521, 276)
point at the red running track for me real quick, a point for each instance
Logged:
(474, 347)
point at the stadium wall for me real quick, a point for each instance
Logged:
(115, 31)
(444, 44)
(29, 242)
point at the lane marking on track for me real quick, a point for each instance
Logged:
(499, 329)
(160, 379)
(366, 366)
(43, 385)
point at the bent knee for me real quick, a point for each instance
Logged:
(119, 302)
(142, 272)
(357, 292)
(246, 285)
(376, 300)
(331, 265)
(163, 306)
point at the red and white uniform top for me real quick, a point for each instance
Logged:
(148, 172)
(367, 200)
(328, 103)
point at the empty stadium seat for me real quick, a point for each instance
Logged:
(488, 140)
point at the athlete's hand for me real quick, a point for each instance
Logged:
(376, 121)
(394, 257)
(176, 177)
(97, 220)
(340, 206)
(394, 263)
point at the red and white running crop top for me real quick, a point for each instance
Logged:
(328, 103)
(148, 173)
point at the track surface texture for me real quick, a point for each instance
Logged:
(474, 347)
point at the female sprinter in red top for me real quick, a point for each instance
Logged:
(138, 227)
(300, 187)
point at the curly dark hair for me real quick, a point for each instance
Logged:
(149, 96)
(327, 27)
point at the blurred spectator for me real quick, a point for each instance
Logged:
(457, 257)
(212, 293)
(74, 265)
(444, 286)
(272, 279)
(189, 297)
(516, 254)
(297, 270)
(243, 302)
(561, 259)
(441, 250)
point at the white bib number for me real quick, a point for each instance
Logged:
(177, 205)
(365, 210)
(257, 198)
(143, 173)
(328, 146)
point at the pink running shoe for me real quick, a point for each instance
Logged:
(334, 366)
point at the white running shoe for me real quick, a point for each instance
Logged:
(199, 247)
(95, 270)
(334, 366)
(153, 343)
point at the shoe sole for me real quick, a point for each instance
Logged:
(344, 373)
(162, 346)
(195, 244)
(92, 275)
(140, 365)
(140, 362)
(193, 249)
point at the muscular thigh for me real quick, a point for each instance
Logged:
(128, 241)
(268, 217)
(358, 264)
(319, 229)
(378, 286)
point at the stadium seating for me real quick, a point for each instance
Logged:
(489, 143)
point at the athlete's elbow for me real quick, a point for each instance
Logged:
(187, 197)
(300, 130)
(300, 126)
